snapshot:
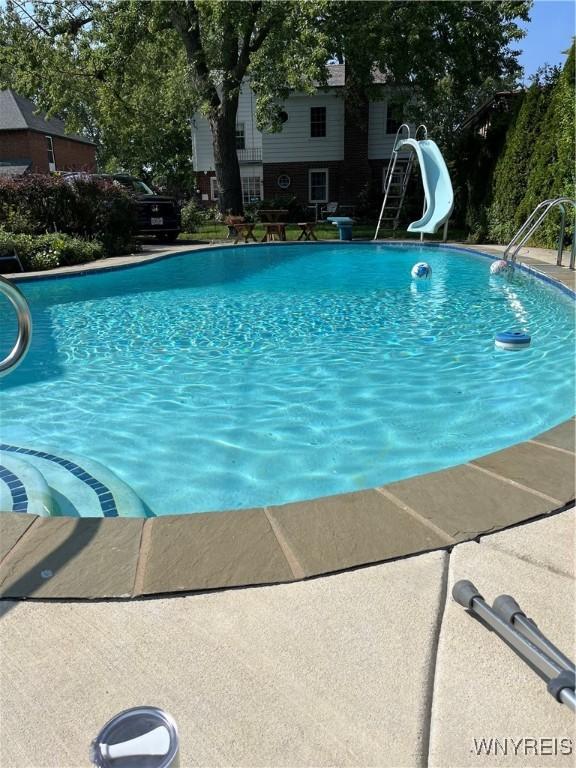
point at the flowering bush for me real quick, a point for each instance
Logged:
(37, 252)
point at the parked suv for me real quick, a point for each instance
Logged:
(157, 215)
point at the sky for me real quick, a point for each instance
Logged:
(549, 32)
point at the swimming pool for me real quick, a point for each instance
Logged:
(238, 377)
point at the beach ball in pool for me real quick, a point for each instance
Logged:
(421, 270)
(498, 267)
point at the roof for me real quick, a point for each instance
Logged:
(17, 113)
(14, 167)
(486, 106)
(337, 76)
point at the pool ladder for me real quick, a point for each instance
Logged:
(533, 222)
(16, 298)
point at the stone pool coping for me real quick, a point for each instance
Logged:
(91, 558)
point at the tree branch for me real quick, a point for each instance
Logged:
(187, 25)
(21, 7)
(244, 55)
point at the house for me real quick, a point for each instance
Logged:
(30, 142)
(327, 150)
(501, 102)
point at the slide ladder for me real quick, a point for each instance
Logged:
(438, 193)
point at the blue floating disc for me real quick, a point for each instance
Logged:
(512, 340)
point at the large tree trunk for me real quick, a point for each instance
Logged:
(226, 160)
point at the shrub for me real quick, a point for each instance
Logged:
(551, 172)
(91, 208)
(37, 252)
(192, 216)
(513, 166)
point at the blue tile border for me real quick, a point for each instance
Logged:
(105, 497)
(16, 488)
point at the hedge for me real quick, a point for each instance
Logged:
(538, 161)
(552, 167)
(513, 166)
(85, 207)
(38, 252)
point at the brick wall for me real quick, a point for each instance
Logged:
(69, 155)
(72, 155)
(203, 185)
(299, 175)
(14, 145)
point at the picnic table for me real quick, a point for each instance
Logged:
(272, 214)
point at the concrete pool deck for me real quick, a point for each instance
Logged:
(375, 667)
(87, 558)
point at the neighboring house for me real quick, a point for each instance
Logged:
(500, 102)
(322, 153)
(29, 142)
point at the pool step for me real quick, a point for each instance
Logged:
(76, 486)
(23, 488)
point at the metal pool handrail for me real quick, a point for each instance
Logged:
(16, 298)
(531, 225)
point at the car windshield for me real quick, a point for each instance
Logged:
(136, 185)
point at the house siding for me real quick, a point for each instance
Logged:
(202, 149)
(294, 143)
(380, 143)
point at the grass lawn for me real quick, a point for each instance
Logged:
(324, 231)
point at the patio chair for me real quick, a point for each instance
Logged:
(329, 209)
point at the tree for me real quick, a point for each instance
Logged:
(513, 165)
(538, 161)
(130, 95)
(552, 164)
(438, 53)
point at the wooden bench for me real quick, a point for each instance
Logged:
(275, 230)
(307, 232)
(245, 231)
(240, 229)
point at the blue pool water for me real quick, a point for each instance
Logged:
(247, 376)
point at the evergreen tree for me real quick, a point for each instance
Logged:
(552, 169)
(514, 165)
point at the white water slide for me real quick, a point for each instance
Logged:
(438, 192)
(437, 186)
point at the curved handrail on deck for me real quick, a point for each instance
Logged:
(533, 222)
(16, 298)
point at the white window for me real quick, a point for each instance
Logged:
(51, 159)
(240, 136)
(318, 185)
(213, 188)
(251, 189)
